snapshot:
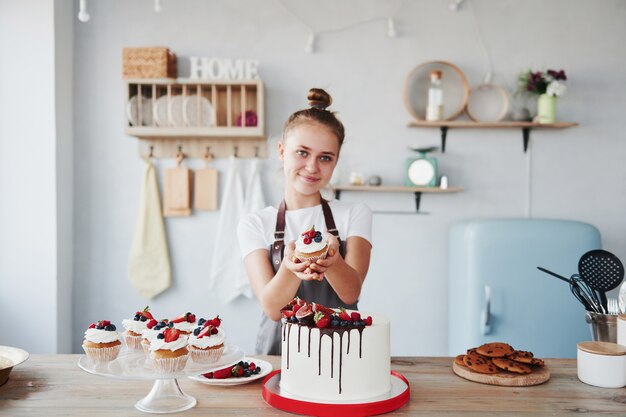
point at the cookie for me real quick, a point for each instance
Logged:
(511, 366)
(537, 362)
(479, 364)
(459, 360)
(521, 356)
(495, 350)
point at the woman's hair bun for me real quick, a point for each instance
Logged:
(319, 98)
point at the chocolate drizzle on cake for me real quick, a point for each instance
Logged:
(330, 332)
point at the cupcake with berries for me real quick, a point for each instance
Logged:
(168, 351)
(185, 323)
(151, 332)
(206, 344)
(311, 245)
(135, 327)
(102, 341)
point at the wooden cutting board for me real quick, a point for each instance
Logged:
(205, 187)
(506, 379)
(177, 192)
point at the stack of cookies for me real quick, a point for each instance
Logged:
(493, 358)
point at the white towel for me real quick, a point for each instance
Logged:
(149, 263)
(228, 277)
(254, 189)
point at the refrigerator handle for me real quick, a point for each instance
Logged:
(485, 319)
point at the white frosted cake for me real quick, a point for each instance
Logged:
(332, 359)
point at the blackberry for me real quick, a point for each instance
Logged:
(160, 336)
(136, 318)
(247, 373)
(108, 327)
(201, 322)
(196, 331)
(143, 318)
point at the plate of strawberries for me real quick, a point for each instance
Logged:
(246, 370)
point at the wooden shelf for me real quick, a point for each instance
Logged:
(417, 191)
(526, 127)
(227, 133)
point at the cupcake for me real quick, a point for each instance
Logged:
(151, 333)
(169, 351)
(102, 342)
(207, 342)
(185, 323)
(311, 246)
(134, 328)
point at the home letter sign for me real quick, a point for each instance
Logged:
(223, 69)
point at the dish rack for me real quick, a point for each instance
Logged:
(196, 117)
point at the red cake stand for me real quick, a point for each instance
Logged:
(398, 396)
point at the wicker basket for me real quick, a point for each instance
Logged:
(157, 62)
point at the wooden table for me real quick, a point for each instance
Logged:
(53, 385)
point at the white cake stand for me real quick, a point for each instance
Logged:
(166, 395)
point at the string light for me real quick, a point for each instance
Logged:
(391, 28)
(310, 46)
(455, 5)
(83, 15)
(158, 6)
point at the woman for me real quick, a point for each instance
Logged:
(309, 150)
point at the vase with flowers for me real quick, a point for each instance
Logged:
(548, 85)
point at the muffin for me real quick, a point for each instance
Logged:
(168, 351)
(102, 342)
(134, 328)
(311, 246)
(151, 333)
(206, 345)
(185, 323)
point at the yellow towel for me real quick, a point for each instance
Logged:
(149, 264)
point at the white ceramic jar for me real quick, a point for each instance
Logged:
(602, 364)
(621, 329)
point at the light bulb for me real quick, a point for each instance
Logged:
(83, 16)
(454, 6)
(391, 28)
(158, 6)
(310, 46)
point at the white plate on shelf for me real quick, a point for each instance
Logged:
(176, 111)
(266, 368)
(132, 111)
(161, 116)
(197, 111)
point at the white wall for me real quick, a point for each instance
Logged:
(35, 175)
(572, 174)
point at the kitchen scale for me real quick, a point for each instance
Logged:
(422, 170)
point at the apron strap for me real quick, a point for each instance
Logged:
(278, 247)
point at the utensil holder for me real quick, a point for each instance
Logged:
(603, 327)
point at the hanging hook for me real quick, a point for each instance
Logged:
(236, 151)
(151, 153)
(256, 151)
(207, 154)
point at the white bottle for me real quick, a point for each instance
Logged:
(434, 110)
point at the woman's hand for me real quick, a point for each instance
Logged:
(322, 265)
(300, 269)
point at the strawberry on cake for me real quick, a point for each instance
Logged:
(334, 355)
(169, 351)
(206, 344)
(311, 245)
(102, 341)
(151, 333)
(134, 328)
(185, 323)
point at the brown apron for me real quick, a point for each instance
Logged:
(269, 337)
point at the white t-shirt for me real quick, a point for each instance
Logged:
(256, 230)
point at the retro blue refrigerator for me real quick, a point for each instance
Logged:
(496, 293)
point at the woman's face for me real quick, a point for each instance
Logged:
(309, 153)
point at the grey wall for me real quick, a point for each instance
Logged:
(573, 174)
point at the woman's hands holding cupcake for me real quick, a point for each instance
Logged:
(311, 269)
